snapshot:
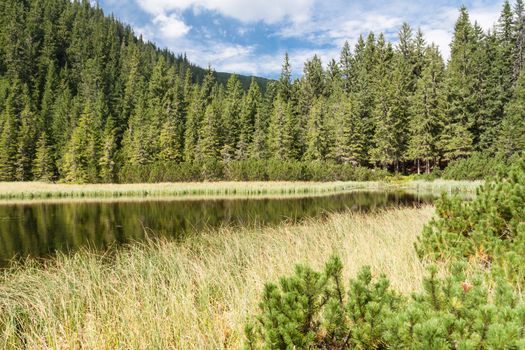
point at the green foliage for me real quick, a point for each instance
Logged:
(488, 231)
(479, 166)
(66, 70)
(314, 310)
(248, 170)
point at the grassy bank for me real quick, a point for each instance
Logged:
(41, 190)
(195, 294)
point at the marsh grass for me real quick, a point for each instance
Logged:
(194, 294)
(40, 190)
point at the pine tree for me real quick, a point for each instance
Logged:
(26, 143)
(285, 79)
(346, 64)
(362, 91)
(8, 139)
(209, 145)
(191, 134)
(427, 111)
(81, 160)
(135, 141)
(512, 137)
(108, 153)
(231, 115)
(43, 165)
(460, 84)
(16, 102)
(518, 39)
(316, 133)
(349, 137)
(279, 139)
(248, 113)
(174, 111)
(386, 148)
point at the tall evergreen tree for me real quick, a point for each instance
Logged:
(250, 105)
(230, 117)
(512, 136)
(281, 131)
(209, 145)
(460, 84)
(43, 165)
(518, 39)
(427, 111)
(26, 143)
(80, 163)
(316, 132)
(108, 152)
(285, 79)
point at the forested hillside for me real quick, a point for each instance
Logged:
(82, 99)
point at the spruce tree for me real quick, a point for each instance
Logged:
(8, 141)
(285, 79)
(280, 138)
(250, 105)
(427, 111)
(230, 117)
(518, 39)
(386, 148)
(43, 164)
(349, 137)
(512, 136)
(316, 132)
(174, 114)
(346, 64)
(108, 152)
(460, 85)
(80, 162)
(26, 143)
(209, 144)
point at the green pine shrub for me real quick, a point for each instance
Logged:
(488, 230)
(478, 166)
(314, 310)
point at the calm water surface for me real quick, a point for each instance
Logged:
(41, 229)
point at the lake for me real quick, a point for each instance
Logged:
(40, 229)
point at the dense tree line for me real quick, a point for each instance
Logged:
(82, 99)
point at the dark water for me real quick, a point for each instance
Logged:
(40, 229)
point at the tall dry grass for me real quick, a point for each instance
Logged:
(43, 190)
(195, 294)
(10, 191)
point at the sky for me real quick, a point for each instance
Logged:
(251, 36)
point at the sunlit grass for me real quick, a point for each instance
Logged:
(41, 190)
(194, 294)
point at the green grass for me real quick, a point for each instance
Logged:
(194, 294)
(39, 190)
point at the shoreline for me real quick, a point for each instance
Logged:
(33, 192)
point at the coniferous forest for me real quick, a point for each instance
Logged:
(83, 99)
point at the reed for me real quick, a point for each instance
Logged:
(194, 294)
(43, 191)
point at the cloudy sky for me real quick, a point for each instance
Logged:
(251, 36)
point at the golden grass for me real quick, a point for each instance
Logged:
(195, 294)
(23, 191)
(42, 190)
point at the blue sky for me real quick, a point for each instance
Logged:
(251, 36)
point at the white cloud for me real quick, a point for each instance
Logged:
(171, 26)
(314, 26)
(268, 11)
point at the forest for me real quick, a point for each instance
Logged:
(83, 99)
